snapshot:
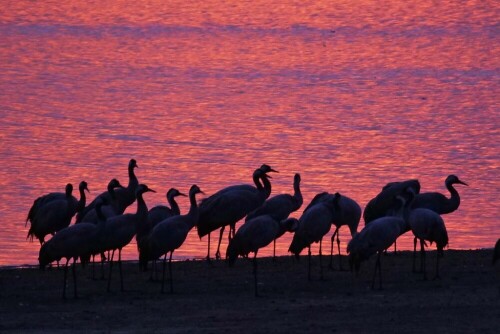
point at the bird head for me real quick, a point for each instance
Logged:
(132, 164)
(267, 169)
(172, 192)
(84, 186)
(453, 179)
(290, 224)
(296, 178)
(142, 188)
(114, 183)
(195, 190)
(69, 189)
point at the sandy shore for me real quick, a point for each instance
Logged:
(218, 299)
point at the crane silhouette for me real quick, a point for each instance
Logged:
(427, 225)
(229, 205)
(162, 212)
(121, 229)
(314, 224)
(280, 207)
(255, 234)
(438, 202)
(56, 214)
(376, 237)
(347, 212)
(168, 235)
(73, 242)
(122, 197)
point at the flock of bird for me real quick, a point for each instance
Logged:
(102, 226)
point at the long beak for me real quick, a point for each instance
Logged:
(273, 170)
(87, 190)
(462, 182)
(181, 194)
(151, 190)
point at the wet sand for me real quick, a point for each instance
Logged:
(218, 299)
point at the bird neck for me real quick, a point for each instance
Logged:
(256, 181)
(193, 213)
(297, 194)
(267, 186)
(173, 205)
(142, 209)
(83, 199)
(132, 179)
(454, 200)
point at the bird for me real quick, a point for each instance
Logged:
(42, 200)
(385, 202)
(380, 205)
(229, 205)
(438, 202)
(427, 225)
(496, 252)
(255, 234)
(168, 235)
(161, 212)
(314, 224)
(122, 197)
(72, 242)
(280, 206)
(57, 213)
(110, 209)
(376, 237)
(346, 212)
(120, 230)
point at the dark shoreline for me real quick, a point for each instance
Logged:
(214, 299)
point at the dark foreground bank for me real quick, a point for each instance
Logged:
(218, 299)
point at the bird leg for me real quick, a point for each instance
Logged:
(309, 264)
(163, 276)
(255, 273)
(120, 267)
(437, 266)
(274, 250)
(217, 254)
(422, 258)
(414, 253)
(320, 259)
(170, 272)
(110, 269)
(73, 269)
(65, 278)
(340, 257)
(103, 259)
(377, 266)
(208, 251)
(331, 248)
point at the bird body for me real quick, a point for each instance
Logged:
(168, 235)
(384, 202)
(496, 252)
(438, 202)
(56, 214)
(109, 210)
(228, 206)
(427, 225)
(162, 212)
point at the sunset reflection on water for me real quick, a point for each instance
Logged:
(350, 96)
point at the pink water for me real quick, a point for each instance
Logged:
(351, 95)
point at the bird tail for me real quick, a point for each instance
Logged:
(297, 245)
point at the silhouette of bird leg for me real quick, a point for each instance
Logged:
(274, 250)
(170, 272)
(103, 259)
(331, 248)
(255, 273)
(377, 266)
(163, 276)
(437, 267)
(309, 264)
(422, 259)
(414, 253)
(65, 278)
(73, 269)
(340, 257)
(320, 259)
(110, 269)
(120, 267)
(208, 252)
(217, 254)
